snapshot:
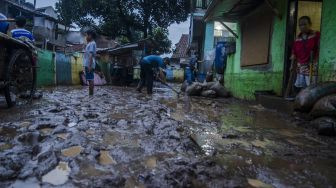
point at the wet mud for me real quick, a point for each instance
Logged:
(120, 138)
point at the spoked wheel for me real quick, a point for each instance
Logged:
(20, 78)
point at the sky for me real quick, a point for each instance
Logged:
(175, 30)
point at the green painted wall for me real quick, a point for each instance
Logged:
(243, 82)
(46, 71)
(327, 70)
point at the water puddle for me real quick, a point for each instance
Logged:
(72, 151)
(119, 116)
(117, 138)
(29, 183)
(88, 170)
(46, 131)
(132, 183)
(7, 132)
(261, 143)
(5, 146)
(105, 158)
(151, 162)
(258, 184)
(59, 175)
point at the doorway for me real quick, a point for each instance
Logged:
(297, 9)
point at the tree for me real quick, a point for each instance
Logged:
(160, 36)
(124, 17)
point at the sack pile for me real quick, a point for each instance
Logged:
(320, 102)
(206, 89)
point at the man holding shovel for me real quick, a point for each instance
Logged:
(149, 65)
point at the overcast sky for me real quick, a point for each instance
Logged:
(175, 31)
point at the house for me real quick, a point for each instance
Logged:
(180, 54)
(197, 25)
(42, 22)
(264, 31)
(48, 32)
(75, 41)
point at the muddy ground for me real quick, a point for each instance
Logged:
(120, 138)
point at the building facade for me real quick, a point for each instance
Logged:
(264, 33)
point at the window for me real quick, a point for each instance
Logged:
(222, 34)
(203, 4)
(256, 30)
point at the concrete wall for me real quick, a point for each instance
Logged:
(244, 81)
(327, 70)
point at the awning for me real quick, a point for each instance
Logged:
(230, 10)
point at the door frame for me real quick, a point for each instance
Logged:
(290, 37)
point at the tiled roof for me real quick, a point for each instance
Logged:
(181, 47)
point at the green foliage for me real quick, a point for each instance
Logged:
(160, 35)
(133, 19)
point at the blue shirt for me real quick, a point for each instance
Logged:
(22, 34)
(90, 48)
(156, 61)
(3, 25)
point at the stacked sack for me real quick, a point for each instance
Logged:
(206, 89)
(320, 102)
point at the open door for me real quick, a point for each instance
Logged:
(297, 9)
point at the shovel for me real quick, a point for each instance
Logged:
(164, 83)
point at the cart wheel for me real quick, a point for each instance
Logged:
(20, 78)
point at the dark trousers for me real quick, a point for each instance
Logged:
(146, 77)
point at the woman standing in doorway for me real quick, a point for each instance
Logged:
(305, 54)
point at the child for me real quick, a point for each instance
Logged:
(89, 59)
(20, 32)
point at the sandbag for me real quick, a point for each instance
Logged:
(326, 126)
(220, 90)
(306, 99)
(209, 93)
(325, 107)
(209, 77)
(194, 89)
(207, 85)
(184, 86)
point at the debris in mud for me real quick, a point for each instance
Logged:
(63, 136)
(30, 138)
(144, 142)
(59, 175)
(72, 151)
(325, 125)
(206, 89)
(90, 115)
(105, 158)
(258, 184)
(72, 124)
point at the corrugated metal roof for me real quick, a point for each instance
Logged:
(231, 10)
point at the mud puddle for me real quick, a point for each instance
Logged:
(122, 138)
